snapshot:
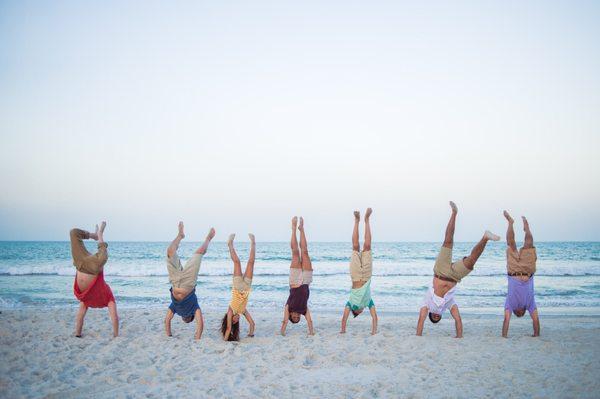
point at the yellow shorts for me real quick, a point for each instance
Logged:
(445, 268)
(241, 283)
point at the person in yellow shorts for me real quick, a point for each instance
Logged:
(240, 291)
(446, 274)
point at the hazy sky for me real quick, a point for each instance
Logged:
(241, 114)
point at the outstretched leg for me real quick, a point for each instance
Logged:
(510, 232)
(294, 245)
(305, 261)
(250, 265)
(204, 247)
(367, 243)
(172, 249)
(355, 242)
(477, 250)
(449, 237)
(237, 266)
(528, 243)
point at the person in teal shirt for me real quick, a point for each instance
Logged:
(361, 269)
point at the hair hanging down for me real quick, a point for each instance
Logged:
(434, 320)
(234, 335)
(292, 320)
(355, 314)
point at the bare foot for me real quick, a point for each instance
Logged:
(454, 207)
(356, 216)
(507, 216)
(525, 223)
(252, 239)
(368, 214)
(211, 233)
(301, 224)
(181, 234)
(294, 222)
(102, 227)
(94, 235)
(230, 239)
(491, 236)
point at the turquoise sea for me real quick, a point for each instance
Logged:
(41, 274)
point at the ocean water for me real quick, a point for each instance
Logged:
(41, 274)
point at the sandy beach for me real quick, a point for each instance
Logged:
(41, 358)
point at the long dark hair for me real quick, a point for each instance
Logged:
(234, 335)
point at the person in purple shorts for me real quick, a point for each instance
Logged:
(520, 266)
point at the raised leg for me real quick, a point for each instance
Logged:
(477, 250)
(172, 249)
(528, 243)
(237, 266)
(449, 237)
(250, 265)
(305, 261)
(294, 245)
(114, 318)
(367, 243)
(510, 232)
(355, 242)
(78, 249)
(204, 246)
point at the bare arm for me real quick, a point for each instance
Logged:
(250, 322)
(286, 317)
(345, 319)
(373, 320)
(421, 322)
(308, 317)
(457, 321)
(79, 319)
(536, 323)
(199, 324)
(229, 324)
(168, 319)
(506, 323)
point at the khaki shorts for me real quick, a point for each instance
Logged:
(300, 276)
(184, 277)
(445, 268)
(361, 266)
(522, 262)
(241, 283)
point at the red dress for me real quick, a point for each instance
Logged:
(97, 295)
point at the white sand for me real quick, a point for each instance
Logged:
(40, 357)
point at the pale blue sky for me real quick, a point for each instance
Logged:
(241, 114)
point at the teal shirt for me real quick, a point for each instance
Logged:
(360, 298)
